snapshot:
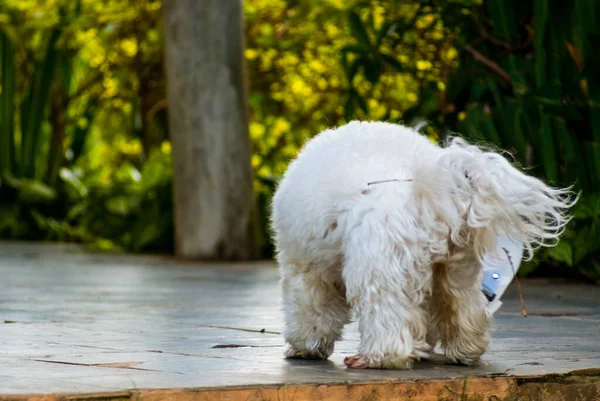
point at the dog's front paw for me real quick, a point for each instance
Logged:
(359, 361)
(356, 362)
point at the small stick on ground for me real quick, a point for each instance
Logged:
(518, 282)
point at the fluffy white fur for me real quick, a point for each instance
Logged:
(405, 256)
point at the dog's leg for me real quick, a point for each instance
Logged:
(461, 315)
(387, 293)
(314, 307)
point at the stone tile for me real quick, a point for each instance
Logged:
(77, 322)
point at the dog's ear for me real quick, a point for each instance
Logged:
(505, 200)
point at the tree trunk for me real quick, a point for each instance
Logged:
(208, 114)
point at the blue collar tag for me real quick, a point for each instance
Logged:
(500, 269)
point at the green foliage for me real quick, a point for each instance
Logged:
(83, 154)
(131, 210)
(84, 150)
(526, 82)
(297, 85)
(128, 214)
(7, 104)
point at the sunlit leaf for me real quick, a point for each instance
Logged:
(563, 252)
(31, 191)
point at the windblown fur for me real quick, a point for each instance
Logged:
(404, 255)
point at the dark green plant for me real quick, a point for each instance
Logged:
(133, 213)
(527, 82)
(21, 169)
(7, 103)
(49, 100)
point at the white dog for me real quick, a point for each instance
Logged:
(375, 218)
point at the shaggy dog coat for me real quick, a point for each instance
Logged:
(375, 218)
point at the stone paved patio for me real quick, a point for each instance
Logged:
(75, 323)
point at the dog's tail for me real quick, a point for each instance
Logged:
(479, 194)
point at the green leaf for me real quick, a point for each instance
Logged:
(76, 211)
(502, 15)
(489, 128)
(35, 105)
(382, 33)
(11, 180)
(585, 241)
(540, 12)
(65, 72)
(393, 62)
(593, 83)
(353, 69)
(8, 81)
(593, 152)
(80, 133)
(121, 205)
(528, 267)
(349, 108)
(357, 29)
(547, 150)
(361, 103)
(562, 252)
(372, 70)
(104, 245)
(354, 49)
(586, 15)
(39, 219)
(70, 178)
(588, 207)
(504, 25)
(471, 124)
(493, 88)
(515, 134)
(478, 91)
(31, 191)
(145, 232)
(157, 170)
(568, 142)
(9, 216)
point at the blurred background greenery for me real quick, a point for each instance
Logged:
(84, 145)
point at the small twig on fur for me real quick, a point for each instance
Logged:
(381, 182)
(518, 282)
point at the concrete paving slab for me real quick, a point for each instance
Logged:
(74, 323)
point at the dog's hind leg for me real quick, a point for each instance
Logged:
(460, 313)
(387, 292)
(314, 307)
